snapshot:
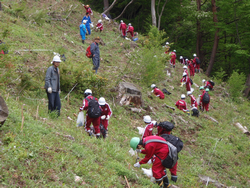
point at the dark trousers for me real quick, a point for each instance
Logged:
(54, 102)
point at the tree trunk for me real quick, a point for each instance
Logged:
(0, 6)
(106, 6)
(124, 10)
(216, 40)
(153, 13)
(198, 40)
(111, 6)
(159, 18)
(247, 90)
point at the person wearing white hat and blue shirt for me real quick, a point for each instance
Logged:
(52, 85)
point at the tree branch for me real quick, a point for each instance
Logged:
(110, 7)
(124, 9)
(159, 19)
(158, 8)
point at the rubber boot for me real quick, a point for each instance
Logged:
(166, 183)
(160, 183)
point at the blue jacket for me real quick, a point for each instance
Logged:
(82, 31)
(88, 20)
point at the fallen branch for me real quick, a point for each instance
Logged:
(183, 119)
(210, 118)
(164, 105)
(127, 182)
(243, 129)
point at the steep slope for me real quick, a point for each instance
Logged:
(49, 151)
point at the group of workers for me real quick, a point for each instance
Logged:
(126, 29)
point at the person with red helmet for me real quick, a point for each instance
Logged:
(88, 9)
(157, 92)
(123, 28)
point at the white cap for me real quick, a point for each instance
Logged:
(184, 67)
(189, 92)
(129, 24)
(184, 74)
(102, 101)
(154, 122)
(99, 21)
(174, 50)
(88, 91)
(56, 59)
(167, 43)
(147, 119)
(84, 21)
(203, 80)
(181, 57)
(183, 96)
(121, 21)
(194, 55)
(153, 85)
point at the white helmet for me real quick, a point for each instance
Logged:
(194, 55)
(87, 92)
(174, 50)
(184, 74)
(153, 86)
(183, 96)
(184, 67)
(129, 24)
(154, 122)
(147, 119)
(181, 57)
(121, 21)
(102, 101)
(203, 80)
(56, 59)
(99, 21)
(84, 21)
(167, 43)
(189, 92)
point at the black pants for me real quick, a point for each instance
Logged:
(54, 102)
(83, 41)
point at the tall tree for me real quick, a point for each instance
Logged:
(106, 5)
(160, 14)
(153, 13)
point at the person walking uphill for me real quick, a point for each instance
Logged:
(157, 92)
(123, 28)
(205, 100)
(156, 148)
(88, 22)
(93, 115)
(83, 30)
(106, 114)
(186, 80)
(94, 48)
(52, 85)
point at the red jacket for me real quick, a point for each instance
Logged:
(123, 26)
(130, 28)
(161, 131)
(173, 55)
(181, 104)
(159, 93)
(100, 26)
(203, 95)
(154, 148)
(88, 10)
(186, 71)
(86, 103)
(208, 85)
(186, 79)
(148, 130)
(106, 110)
(193, 101)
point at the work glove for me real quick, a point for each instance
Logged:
(103, 117)
(49, 90)
(138, 150)
(137, 165)
(150, 161)
(107, 117)
(174, 178)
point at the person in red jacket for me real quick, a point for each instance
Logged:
(130, 30)
(173, 58)
(160, 130)
(88, 9)
(94, 121)
(157, 92)
(193, 99)
(202, 103)
(99, 26)
(191, 67)
(197, 65)
(207, 84)
(157, 151)
(167, 48)
(182, 60)
(181, 104)
(123, 28)
(185, 69)
(148, 131)
(106, 113)
(186, 80)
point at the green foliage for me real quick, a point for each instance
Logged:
(40, 17)
(236, 85)
(219, 76)
(155, 38)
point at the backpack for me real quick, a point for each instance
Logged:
(88, 53)
(172, 157)
(168, 126)
(197, 60)
(94, 110)
(166, 91)
(191, 81)
(103, 130)
(211, 82)
(173, 140)
(195, 112)
(206, 98)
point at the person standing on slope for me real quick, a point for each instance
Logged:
(182, 61)
(130, 30)
(157, 92)
(173, 58)
(95, 51)
(205, 100)
(88, 22)
(148, 131)
(191, 67)
(88, 9)
(106, 114)
(83, 30)
(197, 63)
(186, 80)
(123, 28)
(185, 69)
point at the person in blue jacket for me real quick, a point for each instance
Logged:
(83, 30)
(87, 17)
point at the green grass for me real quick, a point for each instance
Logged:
(41, 156)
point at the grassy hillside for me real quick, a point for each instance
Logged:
(49, 152)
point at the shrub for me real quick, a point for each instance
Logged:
(220, 76)
(236, 85)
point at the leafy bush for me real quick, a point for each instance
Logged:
(236, 84)
(220, 76)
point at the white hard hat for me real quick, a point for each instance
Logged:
(121, 21)
(153, 86)
(194, 55)
(181, 57)
(184, 67)
(154, 122)
(84, 21)
(129, 24)
(167, 43)
(189, 92)
(203, 80)
(102, 101)
(147, 119)
(99, 21)
(184, 74)
(174, 50)
(88, 91)
(56, 59)
(183, 96)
